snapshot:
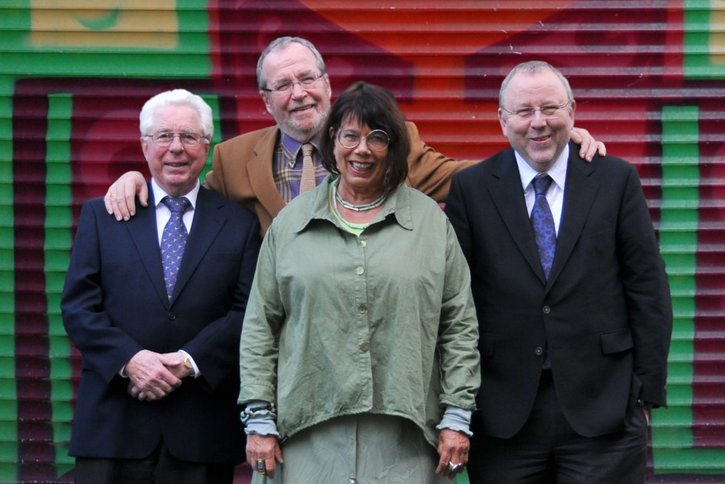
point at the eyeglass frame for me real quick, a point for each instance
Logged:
(360, 137)
(289, 84)
(530, 112)
(196, 139)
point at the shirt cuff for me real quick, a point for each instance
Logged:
(259, 418)
(195, 373)
(458, 419)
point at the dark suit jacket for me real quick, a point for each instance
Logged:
(605, 311)
(114, 304)
(242, 171)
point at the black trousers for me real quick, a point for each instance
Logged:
(547, 450)
(159, 468)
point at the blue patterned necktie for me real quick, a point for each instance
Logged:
(173, 240)
(543, 223)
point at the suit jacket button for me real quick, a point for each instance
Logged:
(172, 316)
(546, 309)
(539, 351)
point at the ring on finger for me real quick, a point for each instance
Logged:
(261, 467)
(454, 467)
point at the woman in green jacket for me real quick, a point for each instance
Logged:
(358, 354)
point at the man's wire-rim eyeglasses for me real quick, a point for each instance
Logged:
(307, 81)
(376, 140)
(188, 139)
(527, 113)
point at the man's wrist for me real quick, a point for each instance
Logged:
(189, 364)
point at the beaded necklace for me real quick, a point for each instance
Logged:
(351, 227)
(364, 207)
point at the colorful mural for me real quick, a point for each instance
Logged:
(649, 78)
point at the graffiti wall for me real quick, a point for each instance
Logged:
(648, 76)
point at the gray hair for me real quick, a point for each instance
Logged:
(280, 43)
(176, 97)
(532, 67)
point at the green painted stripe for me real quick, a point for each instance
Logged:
(700, 46)
(8, 392)
(213, 101)
(672, 437)
(188, 58)
(57, 245)
(678, 243)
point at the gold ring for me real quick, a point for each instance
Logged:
(261, 468)
(113, 195)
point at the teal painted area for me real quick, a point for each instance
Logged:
(57, 245)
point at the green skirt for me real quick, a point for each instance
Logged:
(358, 449)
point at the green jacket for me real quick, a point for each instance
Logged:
(382, 323)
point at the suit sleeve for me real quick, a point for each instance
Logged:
(105, 346)
(215, 177)
(456, 211)
(647, 291)
(428, 170)
(215, 348)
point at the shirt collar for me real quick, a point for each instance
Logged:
(557, 171)
(159, 193)
(292, 147)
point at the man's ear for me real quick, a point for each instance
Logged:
(502, 121)
(265, 99)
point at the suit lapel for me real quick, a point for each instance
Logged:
(508, 197)
(142, 229)
(579, 195)
(207, 223)
(260, 172)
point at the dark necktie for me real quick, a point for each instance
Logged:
(308, 181)
(173, 240)
(543, 223)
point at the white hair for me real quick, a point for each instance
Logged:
(176, 97)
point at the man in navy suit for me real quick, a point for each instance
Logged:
(160, 341)
(575, 319)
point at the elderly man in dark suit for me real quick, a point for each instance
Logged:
(155, 306)
(571, 294)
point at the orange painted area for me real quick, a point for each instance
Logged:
(435, 38)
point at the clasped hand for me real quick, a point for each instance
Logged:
(153, 376)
